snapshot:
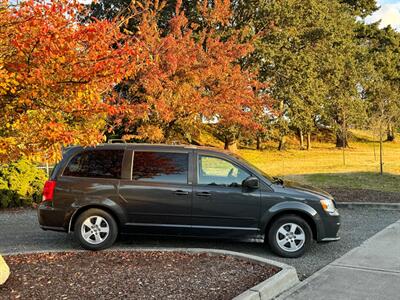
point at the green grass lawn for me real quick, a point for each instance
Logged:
(323, 165)
(355, 180)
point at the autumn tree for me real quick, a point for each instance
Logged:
(190, 76)
(53, 73)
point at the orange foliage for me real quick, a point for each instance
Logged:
(189, 73)
(53, 72)
(56, 74)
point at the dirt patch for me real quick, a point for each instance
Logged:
(359, 195)
(134, 275)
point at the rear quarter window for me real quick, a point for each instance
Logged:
(96, 164)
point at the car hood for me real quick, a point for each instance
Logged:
(306, 188)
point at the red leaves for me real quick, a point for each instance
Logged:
(58, 72)
(188, 72)
(63, 68)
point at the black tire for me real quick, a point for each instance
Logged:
(303, 246)
(108, 239)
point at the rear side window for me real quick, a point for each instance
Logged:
(96, 164)
(160, 167)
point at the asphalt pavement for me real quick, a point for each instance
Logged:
(20, 232)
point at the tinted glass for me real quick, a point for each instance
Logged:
(217, 171)
(96, 163)
(160, 167)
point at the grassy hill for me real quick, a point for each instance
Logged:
(324, 166)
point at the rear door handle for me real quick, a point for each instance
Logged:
(203, 194)
(180, 192)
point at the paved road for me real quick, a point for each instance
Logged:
(19, 231)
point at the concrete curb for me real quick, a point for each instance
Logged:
(268, 289)
(272, 287)
(377, 205)
(4, 271)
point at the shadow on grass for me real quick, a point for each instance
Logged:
(356, 186)
(352, 180)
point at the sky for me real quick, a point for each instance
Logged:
(389, 14)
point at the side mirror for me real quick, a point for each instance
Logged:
(251, 182)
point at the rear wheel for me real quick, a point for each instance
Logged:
(95, 229)
(290, 236)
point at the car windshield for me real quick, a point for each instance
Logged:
(268, 177)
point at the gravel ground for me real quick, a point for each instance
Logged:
(19, 232)
(138, 275)
(358, 195)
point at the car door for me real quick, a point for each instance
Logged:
(159, 193)
(220, 202)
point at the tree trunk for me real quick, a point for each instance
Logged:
(258, 139)
(341, 137)
(282, 143)
(226, 144)
(230, 144)
(390, 133)
(341, 133)
(301, 138)
(308, 140)
(341, 141)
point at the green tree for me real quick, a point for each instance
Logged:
(385, 56)
(343, 72)
(361, 8)
(382, 83)
(308, 51)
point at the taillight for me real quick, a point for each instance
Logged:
(48, 190)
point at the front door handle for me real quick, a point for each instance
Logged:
(203, 194)
(180, 192)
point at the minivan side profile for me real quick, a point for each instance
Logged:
(99, 192)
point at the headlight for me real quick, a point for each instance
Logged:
(328, 206)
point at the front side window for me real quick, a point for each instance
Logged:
(160, 167)
(96, 164)
(217, 171)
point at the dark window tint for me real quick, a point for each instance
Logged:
(160, 167)
(96, 163)
(217, 171)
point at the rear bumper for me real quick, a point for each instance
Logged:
(51, 218)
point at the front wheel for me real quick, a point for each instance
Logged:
(289, 236)
(95, 229)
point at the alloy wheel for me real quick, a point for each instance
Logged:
(290, 237)
(95, 230)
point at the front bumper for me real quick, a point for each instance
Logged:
(329, 230)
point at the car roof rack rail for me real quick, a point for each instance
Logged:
(116, 141)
